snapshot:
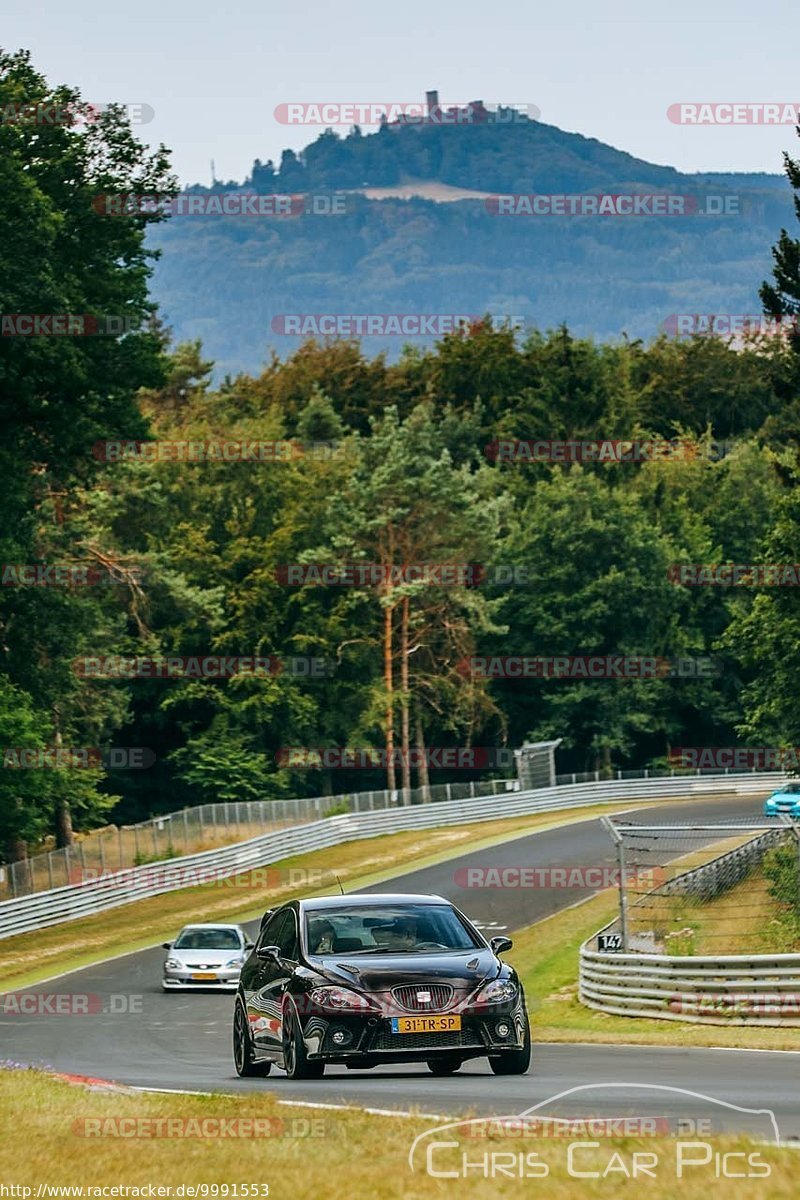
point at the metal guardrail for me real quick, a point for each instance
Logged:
(720, 989)
(758, 989)
(135, 883)
(192, 830)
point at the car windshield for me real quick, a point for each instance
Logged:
(207, 939)
(791, 788)
(387, 929)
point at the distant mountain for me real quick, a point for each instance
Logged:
(232, 280)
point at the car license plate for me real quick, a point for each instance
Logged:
(199, 975)
(425, 1024)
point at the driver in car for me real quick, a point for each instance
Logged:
(321, 935)
(403, 934)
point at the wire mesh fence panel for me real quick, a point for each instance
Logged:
(715, 889)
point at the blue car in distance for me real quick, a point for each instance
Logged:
(785, 800)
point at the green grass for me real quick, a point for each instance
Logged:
(56, 1133)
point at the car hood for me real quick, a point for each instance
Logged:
(381, 972)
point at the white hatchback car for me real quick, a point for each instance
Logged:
(205, 956)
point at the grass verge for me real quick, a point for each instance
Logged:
(546, 956)
(71, 1137)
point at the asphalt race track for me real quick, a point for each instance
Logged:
(136, 1034)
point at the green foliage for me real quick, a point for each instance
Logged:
(195, 551)
(782, 869)
(58, 395)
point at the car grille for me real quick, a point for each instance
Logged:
(384, 1039)
(406, 996)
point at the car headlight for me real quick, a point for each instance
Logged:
(499, 991)
(339, 999)
(235, 962)
(172, 963)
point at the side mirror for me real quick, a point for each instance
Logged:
(268, 953)
(249, 946)
(499, 944)
(166, 945)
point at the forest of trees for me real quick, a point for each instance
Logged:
(399, 470)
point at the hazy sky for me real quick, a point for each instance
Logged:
(214, 72)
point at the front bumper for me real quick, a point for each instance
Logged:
(372, 1038)
(180, 980)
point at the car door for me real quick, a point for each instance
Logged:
(264, 1009)
(254, 976)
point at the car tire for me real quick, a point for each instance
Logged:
(514, 1062)
(444, 1066)
(296, 1063)
(243, 1060)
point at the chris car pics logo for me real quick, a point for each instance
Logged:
(605, 1143)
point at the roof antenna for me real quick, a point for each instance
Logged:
(338, 880)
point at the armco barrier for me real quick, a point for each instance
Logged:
(757, 989)
(184, 832)
(136, 883)
(723, 989)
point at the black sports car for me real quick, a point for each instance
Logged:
(369, 979)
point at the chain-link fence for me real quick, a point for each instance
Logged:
(650, 773)
(711, 889)
(206, 827)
